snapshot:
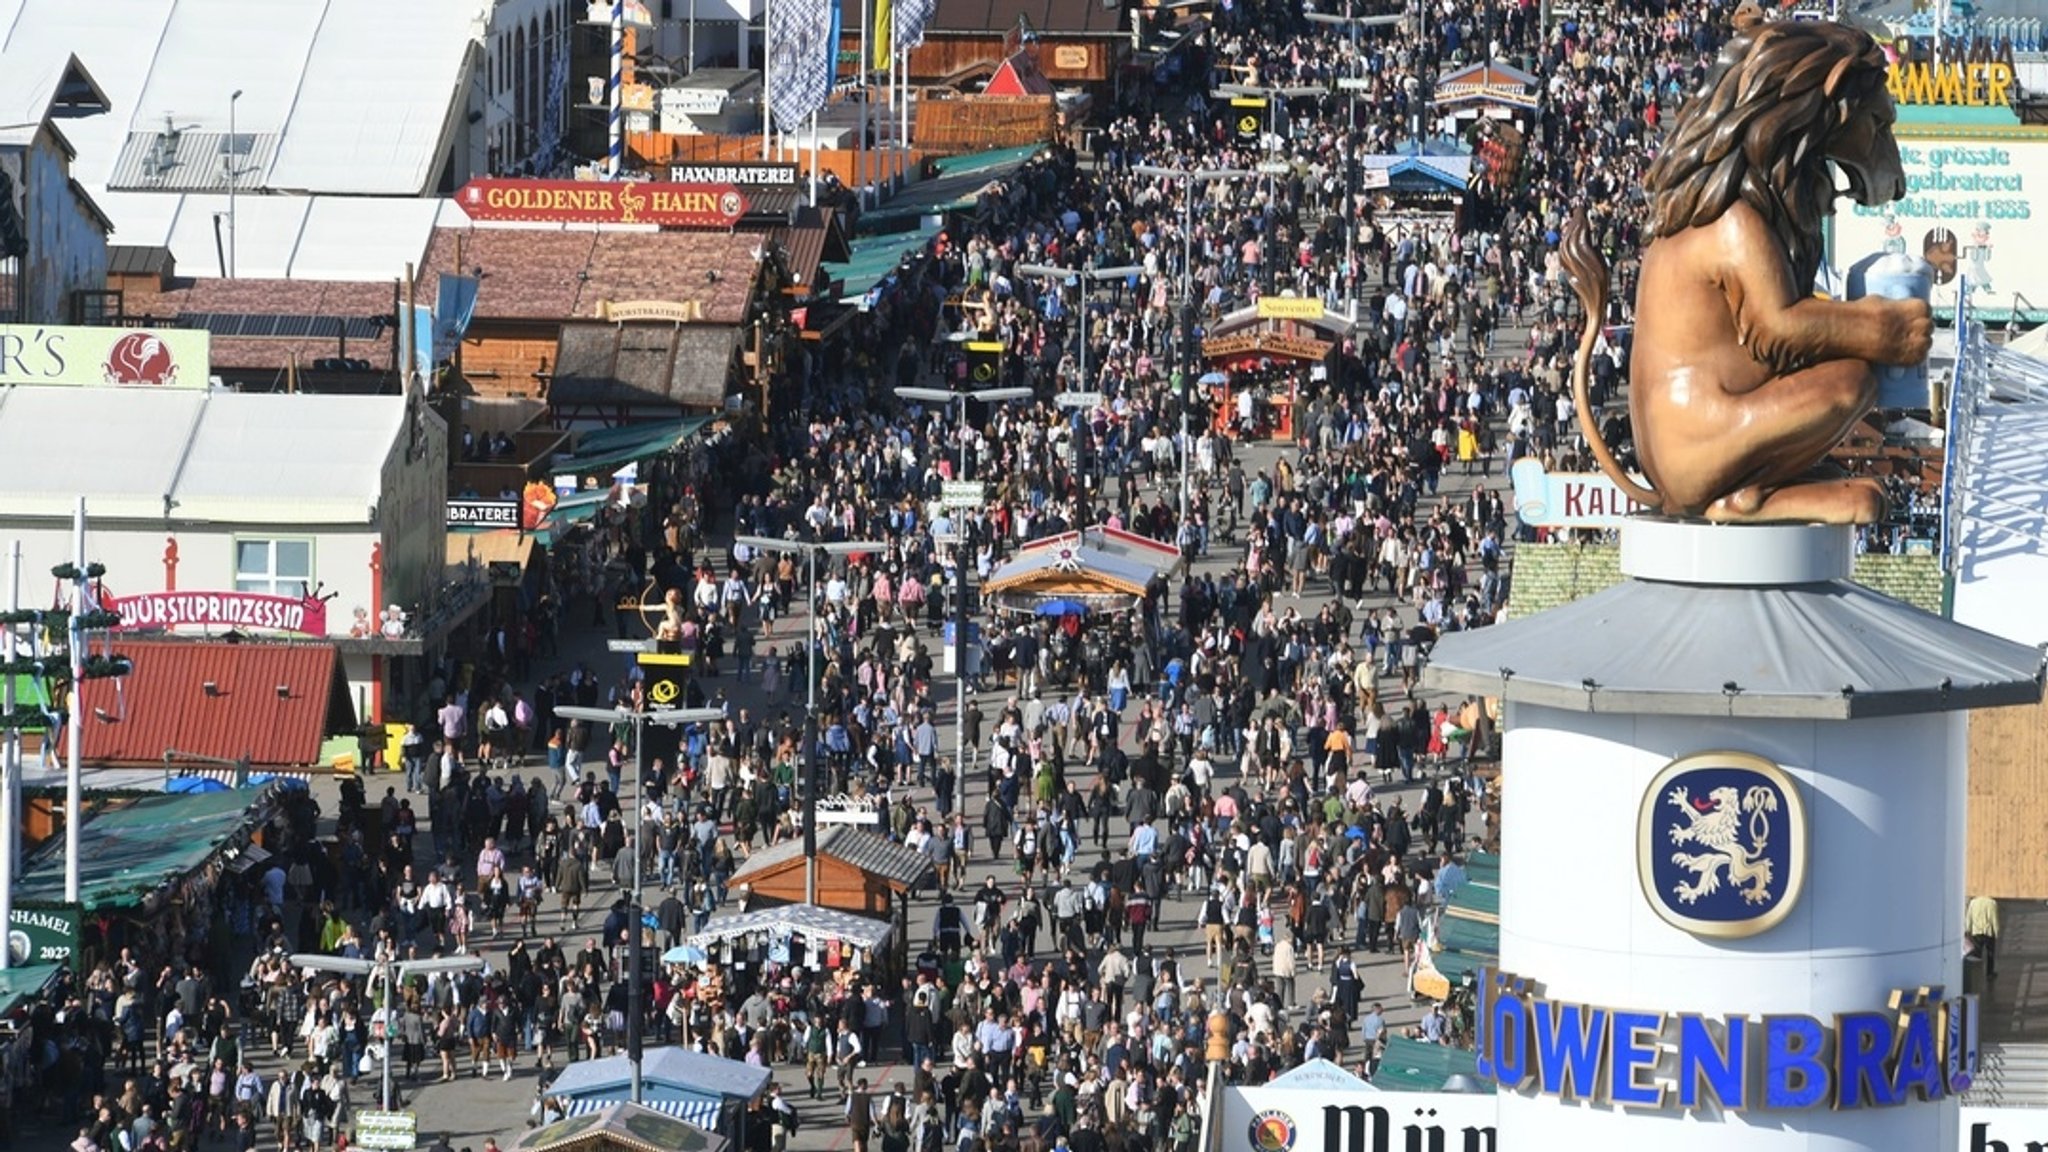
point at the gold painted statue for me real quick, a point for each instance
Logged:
(1741, 379)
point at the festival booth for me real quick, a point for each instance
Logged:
(150, 870)
(746, 944)
(1068, 579)
(619, 1128)
(858, 871)
(710, 1092)
(1271, 345)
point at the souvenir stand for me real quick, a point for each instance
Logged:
(752, 948)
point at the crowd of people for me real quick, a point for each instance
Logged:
(1225, 752)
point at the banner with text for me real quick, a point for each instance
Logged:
(1969, 204)
(1566, 499)
(90, 357)
(1295, 1120)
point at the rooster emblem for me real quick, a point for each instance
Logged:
(1715, 826)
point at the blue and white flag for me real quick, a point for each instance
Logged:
(910, 19)
(802, 55)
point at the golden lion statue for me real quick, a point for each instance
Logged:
(1741, 379)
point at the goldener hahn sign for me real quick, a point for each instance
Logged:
(92, 357)
(222, 610)
(590, 202)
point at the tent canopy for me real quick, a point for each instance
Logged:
(20, 985)
(1414, 1066)
(632, 1127)
(130, 851)
(677, 1069)
(806, 920)
(607, 449)
(1071, 570)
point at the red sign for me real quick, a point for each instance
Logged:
(222, 610)
(592, 202)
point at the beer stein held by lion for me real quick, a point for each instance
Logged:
(1742, 379)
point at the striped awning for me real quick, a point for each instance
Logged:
(702, 1113)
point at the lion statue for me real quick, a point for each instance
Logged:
(1742, 379)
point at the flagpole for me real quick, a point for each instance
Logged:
(767, 63)
(861, 75)
(814, 159)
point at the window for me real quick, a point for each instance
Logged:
(274, 567)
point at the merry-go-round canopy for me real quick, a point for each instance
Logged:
(1075, 573)
(621, 1127)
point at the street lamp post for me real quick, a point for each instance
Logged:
(234, 174)
(810, 549)
(960, 562)
(668, 718)
(1189, 178)
(1089, 278)
(390, 972)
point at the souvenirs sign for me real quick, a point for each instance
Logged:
(591, 202)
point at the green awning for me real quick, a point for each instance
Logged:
(1413, 1066)
(960, 180)
(1476, 902)
(127, 852)
(609, 449)
(872, 258)
(19, 985)
(1484, 868)
(1468, 936)
(1459, 967)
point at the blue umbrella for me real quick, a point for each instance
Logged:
(1354, 833)
(1062, 608)
(684, 954)
(1213, 378)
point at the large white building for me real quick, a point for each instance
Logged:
(201, 503)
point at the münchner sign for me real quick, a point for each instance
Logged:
(591, 202)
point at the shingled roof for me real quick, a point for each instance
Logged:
(547, 274)
(872, 854)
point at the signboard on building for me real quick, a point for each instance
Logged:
(1969, 203)
(306, 615)
(1567, 499)
(483, 513)
(387, 1131)
(46, 935)
(676, 205)
(1338, 1120)
(962, 494)
(87, 357)
(1290, 308)
(739, 175)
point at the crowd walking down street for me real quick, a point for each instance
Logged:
(1231, 796)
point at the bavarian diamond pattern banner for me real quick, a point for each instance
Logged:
(909, 20)
(801, 56)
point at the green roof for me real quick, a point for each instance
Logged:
(1456, 932)
(24, 983)
(1552, 575)
(872, 258)
(1477, 901)
(127, 852)
(1483, 868)
(1459, 967)
(608, 449)
(954, 189)
(1413, 1066)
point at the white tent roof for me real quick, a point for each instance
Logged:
(217, 457)
(339, 97)
(2034, 343)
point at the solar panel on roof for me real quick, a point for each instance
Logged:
(295, 325)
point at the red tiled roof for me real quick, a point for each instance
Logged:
(543, 274)
(164, 704)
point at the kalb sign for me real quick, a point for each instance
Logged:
(1567, 499)
(74, 356)
(589, 202)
